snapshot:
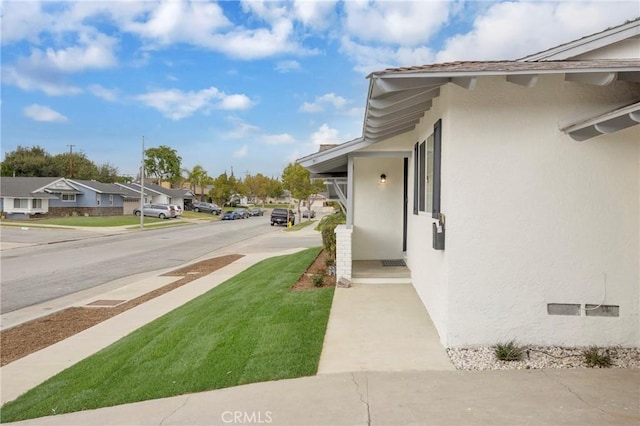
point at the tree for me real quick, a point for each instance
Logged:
(162, 163)
(275, 188)
(197, 177)
(297, 179)
(34, 161)
(257, 186)
(317, 186)
(224, 187)
(75, 165)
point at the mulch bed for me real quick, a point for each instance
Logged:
(319, 266)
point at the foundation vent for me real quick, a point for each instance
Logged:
(602, 310)
(563, 309)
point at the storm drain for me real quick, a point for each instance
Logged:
(106, 303)
(393, 262)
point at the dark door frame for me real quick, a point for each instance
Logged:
(405, 197)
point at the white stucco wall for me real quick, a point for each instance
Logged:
(378, 207)
(533, 217)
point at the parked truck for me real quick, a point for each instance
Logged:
(283, 217)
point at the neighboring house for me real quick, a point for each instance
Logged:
(20, 199)
(55, 196)
(96, 199)
(511, 189)
(158, 194)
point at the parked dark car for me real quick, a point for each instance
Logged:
(230, 215)
(242, 213)
(307, 212)
(162, 211)
(282, 217)
(206, 208)
(256, 211)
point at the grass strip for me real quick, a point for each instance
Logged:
(91, 221)
(301, 225)
(251, 328)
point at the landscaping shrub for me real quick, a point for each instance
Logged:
(509, 351)
(327, 228)
(593, 357)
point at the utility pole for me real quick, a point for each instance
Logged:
(142, 187)
(71, 160)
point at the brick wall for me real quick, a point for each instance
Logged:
(343, 252)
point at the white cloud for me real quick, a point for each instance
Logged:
(176, 104)
(325, 135)
(171, 22)
(241, 129)
(53, 85)
(45, 70)
(338, 102)
(375, 58)
(235, 102)
(111, 95)
(91, 53)
(242, 152)
(281, 139)
(42, 113)
(514, 29)
(287, 66)
(22, 21)
(405, 23)
(315, 14)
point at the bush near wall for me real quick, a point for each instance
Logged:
(327, 228)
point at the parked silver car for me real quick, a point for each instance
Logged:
(162, 211)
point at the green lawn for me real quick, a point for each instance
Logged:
(93, 221)
(298, 226)
(249, 329)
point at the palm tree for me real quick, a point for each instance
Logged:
(197, 177)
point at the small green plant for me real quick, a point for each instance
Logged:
(509, 351)
(594, 357)
(318, 278)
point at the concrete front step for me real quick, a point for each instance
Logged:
(381, 280)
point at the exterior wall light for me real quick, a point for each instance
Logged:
(383, 178)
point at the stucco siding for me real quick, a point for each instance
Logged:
(377, 208)
(429, 273)
(534, 217)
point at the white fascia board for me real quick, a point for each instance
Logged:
(51, 183)
(330, 154)
(586, 44)
(86, 186)
(483, 73)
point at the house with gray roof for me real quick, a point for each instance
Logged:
(24, 197)
(509, 189)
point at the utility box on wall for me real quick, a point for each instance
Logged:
(438, 236)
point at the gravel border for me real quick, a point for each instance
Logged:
(537, 357)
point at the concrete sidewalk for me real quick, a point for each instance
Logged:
(540, 397)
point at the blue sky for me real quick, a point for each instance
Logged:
(248, 85)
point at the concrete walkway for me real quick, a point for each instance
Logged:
(380, 327)
(547, 397)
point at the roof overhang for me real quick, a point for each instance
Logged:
(398, 98)
(609, 122)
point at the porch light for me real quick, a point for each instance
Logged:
(383, 178)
